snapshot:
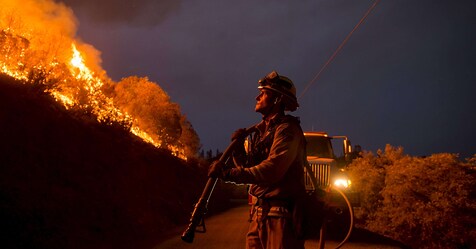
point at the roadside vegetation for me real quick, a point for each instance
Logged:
(424, 202)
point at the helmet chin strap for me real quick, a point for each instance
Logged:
(274, 109)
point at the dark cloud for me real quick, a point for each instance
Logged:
(135, 13)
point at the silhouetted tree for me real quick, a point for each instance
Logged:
(209, 154)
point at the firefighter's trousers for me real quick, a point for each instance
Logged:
(271, 228)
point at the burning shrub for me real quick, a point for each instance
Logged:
(426, 202)
(155, 113)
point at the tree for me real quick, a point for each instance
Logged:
(425, 202)
(155, 113)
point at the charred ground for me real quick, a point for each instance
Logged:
(67, 181)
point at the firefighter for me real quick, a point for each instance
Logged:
(273, 165)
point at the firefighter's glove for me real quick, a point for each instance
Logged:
(216, 169)
(239, 134)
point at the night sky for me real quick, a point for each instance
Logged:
(406, 77)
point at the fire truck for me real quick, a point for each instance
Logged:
(328, 168)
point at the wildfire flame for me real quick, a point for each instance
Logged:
(76, 87)
(108, 111)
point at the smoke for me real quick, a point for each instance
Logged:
(136, 13)
(37, 15)
(49, 27)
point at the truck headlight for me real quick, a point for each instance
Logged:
(342, 183)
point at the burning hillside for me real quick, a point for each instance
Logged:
(67, 182)
(38, 47)
(85, 162)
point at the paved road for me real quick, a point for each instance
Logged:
(227, 231)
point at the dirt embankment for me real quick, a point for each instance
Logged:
(68, 182)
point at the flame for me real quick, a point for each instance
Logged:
(109, 111)
(84, 72)
(77, 60)
(97, 102)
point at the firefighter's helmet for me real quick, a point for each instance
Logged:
(282, 85)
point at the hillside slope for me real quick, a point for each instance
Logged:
(69, 182)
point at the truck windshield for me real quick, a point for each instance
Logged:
(319, 146)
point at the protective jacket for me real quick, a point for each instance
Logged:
(275, 159)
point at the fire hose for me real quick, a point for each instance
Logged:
(351, 214)
(200, 208)
(322, 231)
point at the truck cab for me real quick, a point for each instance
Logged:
(329, 169)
